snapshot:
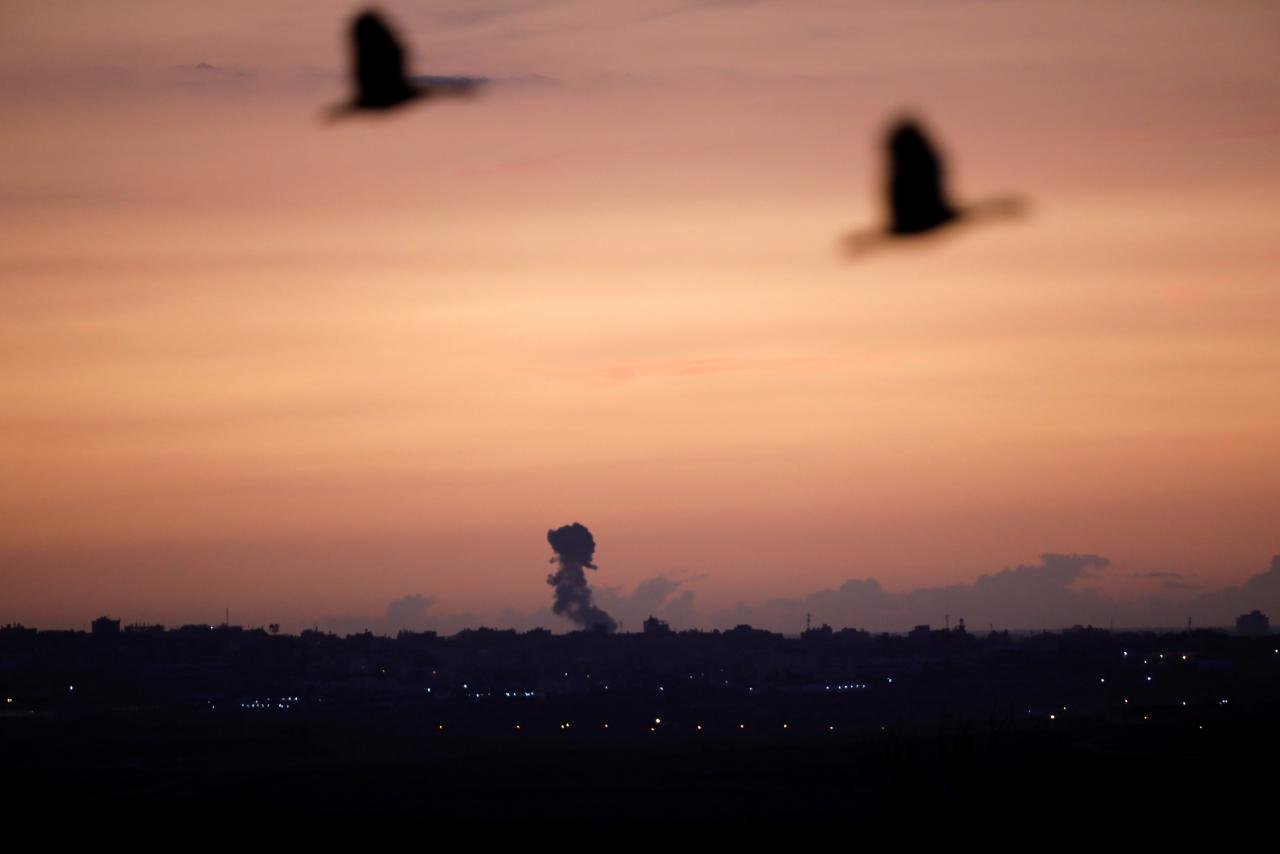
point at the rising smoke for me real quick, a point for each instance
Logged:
(575, 547)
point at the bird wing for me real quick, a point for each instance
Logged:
(917, 197)
(379, 62)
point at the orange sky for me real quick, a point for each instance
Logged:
(303, 370)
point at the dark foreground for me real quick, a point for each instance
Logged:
(206, 730)
(308, 775)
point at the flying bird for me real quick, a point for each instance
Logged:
(917, 197)
(378, 72)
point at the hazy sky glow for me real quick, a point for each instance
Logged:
(247, 359)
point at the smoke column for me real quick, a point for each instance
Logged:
(575, 547)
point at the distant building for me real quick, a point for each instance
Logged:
(822, 632)
(654, 626)
(1253, 624)
(920, 631)
(106, 626)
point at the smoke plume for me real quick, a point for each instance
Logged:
(575, 547)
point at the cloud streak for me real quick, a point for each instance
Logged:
(1050, 594)
(1047, 594)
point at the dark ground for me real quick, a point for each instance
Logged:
(229, 771)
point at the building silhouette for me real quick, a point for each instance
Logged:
(654, 626)
(106, 626)
(1253, 624)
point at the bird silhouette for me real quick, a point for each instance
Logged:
(378, 72)
(917, 198)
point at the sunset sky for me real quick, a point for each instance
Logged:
(250, 360)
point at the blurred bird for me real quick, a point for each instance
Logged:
(917, 196)
(378, 72)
